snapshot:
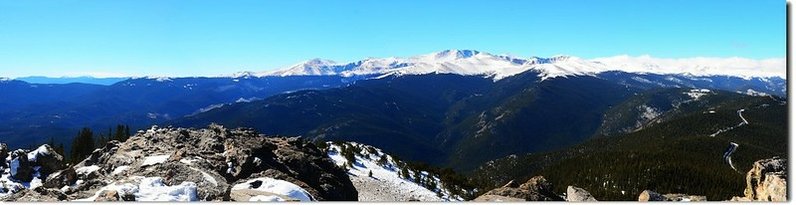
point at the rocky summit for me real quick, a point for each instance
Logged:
(178, 164)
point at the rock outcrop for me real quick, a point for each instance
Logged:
(47, 159)
(535, 189)
(648, 195)
(766, 181)
(578, 194)
(178, 164)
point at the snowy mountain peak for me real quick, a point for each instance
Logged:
(472, 62)
(455, 54)
(315, 66)
(244, 74)
(318, 62)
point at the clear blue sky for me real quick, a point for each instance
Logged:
(181, 38)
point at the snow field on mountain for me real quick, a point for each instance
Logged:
(383, 182)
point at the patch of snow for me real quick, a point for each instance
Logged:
(9, 185)
(245, 100)
(151, 189)
(275, 186)
(755, 93)
(14, 165)
(119, 169)
(189, 161)
(266, 198)
(152, 160)
(648, 113)
(695, 94)
(41, 151)
(161, 79)
(86, 170)
(367, 169)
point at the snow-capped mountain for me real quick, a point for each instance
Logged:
(471, 62)
(462, 62)
(311, 67)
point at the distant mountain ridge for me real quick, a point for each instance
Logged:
(67, 80)
(472, 62)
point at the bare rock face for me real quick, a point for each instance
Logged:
(61, 178)
(201, 165)
(48, 159)
(535, 189)
(767, 180)
(648, 195)
(578, 194)
(39, 194)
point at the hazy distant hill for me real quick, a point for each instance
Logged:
(67, 80)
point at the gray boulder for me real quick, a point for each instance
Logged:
(49, 160)
(578, 194)
(61, 178)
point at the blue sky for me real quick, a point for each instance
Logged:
(184, 38)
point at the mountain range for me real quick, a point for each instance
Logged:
(494, 118)
(139, 102)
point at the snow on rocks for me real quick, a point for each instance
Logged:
(119, 169)
(150, 189)
(266, 198)
(283, 190)
(177, 164)
(87, 169)
(152, 160)
(27, 169)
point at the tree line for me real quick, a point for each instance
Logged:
(86, 141)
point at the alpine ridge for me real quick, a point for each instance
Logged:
(473, 62)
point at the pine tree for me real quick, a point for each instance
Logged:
(82, 145)
(101, 140)
(60, 149)
(126, 132)
(370, 173)
(119, 133)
